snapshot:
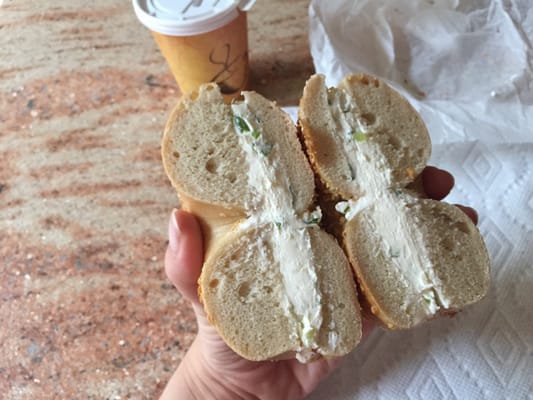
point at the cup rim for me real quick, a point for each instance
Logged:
(173, 27)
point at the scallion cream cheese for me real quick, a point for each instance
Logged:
(273, 204)
(402, 241)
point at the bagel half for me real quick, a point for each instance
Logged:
(413, 257)
(273, 284)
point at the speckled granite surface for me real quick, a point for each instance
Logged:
(85, 309)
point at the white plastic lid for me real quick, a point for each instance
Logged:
(188, 17)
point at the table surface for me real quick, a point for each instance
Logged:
(85, 308)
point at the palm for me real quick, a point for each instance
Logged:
(287, 379)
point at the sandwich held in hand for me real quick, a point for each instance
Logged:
(273, 283)
(413, 257)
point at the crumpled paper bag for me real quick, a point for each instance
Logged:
(466, 66)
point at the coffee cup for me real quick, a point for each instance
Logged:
(201, 40)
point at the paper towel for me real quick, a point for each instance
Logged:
(466, 66)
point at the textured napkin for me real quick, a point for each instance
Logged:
(466, 66)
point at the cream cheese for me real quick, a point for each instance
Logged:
(402, 240)
(273, 204)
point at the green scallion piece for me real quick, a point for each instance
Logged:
(394, 253)
(312, 221)
(255, 134)
(359, 136)
(265, 149)
(241, 124)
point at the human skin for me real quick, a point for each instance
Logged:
(210, 369)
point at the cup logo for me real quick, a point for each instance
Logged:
(229, 65)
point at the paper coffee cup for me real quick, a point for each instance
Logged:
(202, 41)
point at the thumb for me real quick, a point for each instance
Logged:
(184, 256)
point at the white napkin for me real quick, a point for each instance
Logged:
(466, 66)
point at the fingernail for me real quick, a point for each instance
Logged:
(475, 218)
(173, 231)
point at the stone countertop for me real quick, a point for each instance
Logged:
(86, 311)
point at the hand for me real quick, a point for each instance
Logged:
(210, 369)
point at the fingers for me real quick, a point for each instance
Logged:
(184, 256)
(470, 212)
(437, 182)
